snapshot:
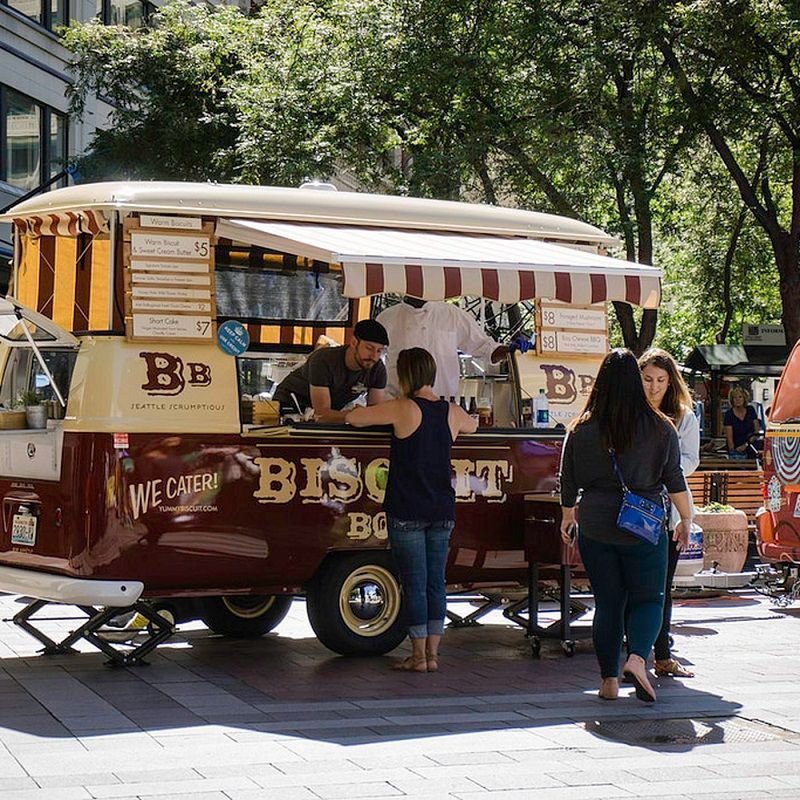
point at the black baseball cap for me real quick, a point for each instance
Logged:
(371, 331)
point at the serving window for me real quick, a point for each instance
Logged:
(262, 286)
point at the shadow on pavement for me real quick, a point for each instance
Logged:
(292, 688)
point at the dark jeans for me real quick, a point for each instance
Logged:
(624, 577)
(661, 647)
(420, 552)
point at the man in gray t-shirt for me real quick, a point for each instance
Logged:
(332, 377)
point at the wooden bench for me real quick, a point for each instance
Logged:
(739, 488)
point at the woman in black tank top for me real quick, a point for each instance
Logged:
(420, 499)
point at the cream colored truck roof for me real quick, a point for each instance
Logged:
(308, 205)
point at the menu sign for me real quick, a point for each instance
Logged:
(568, 329)
(166, 245)
(172, 326)
(169, 279)
(572, 342)
(573, 317)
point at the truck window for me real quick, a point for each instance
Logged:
(24, 372)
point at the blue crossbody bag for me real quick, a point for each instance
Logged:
(643, 518)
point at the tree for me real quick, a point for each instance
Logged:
(562, 106)
(711, 249)
(208, 93)
(737, 67)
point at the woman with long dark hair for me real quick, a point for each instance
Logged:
(625, 571)
(420, 500)
(667, 391)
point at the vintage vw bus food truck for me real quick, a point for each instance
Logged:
(778, 521)
(164, 475)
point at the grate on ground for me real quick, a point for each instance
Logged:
(687, 731)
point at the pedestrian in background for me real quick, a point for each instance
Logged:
(625, 571)
(667, 391)
(420, 499)
(740, 423)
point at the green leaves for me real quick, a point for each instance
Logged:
(569, 106)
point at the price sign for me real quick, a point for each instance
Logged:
(572, 342)
(166, 245)
(172, 326)
(573, 318)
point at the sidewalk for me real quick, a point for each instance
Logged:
(281, 717)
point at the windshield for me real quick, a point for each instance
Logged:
(11, 329)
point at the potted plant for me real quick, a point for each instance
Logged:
(35, 412)
(724, 536)
(11, 416)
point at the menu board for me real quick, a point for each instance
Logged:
(169, 279)
(572, 330)
(573, 342)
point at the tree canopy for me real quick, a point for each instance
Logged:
(672, 124)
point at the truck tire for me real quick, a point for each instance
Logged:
(244, 616)
(354, 604)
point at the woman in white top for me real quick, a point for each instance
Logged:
(666, 390)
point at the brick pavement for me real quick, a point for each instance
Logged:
(281, 717)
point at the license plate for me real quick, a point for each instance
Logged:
(23, 530)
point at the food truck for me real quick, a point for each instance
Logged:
(778, 521)
(153, 319)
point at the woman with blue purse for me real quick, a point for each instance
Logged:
(621, 456)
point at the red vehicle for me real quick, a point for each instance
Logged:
(161, 475)
(778, 521)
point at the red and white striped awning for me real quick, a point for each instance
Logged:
(437, 266)
(65, 223)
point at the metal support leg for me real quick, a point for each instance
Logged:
(471, 620)
(567, 644)
(159, 630)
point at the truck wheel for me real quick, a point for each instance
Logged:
(354, 605)
(243, 616)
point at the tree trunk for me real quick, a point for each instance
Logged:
(787, 256)
(726, 277)
(639, 341)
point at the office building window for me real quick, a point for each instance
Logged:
(49, 13)
(33, 141)
(130, 13)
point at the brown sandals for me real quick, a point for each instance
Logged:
(412, 664)
(671, 668)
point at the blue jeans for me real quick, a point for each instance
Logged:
(624, 576)
(420, 552)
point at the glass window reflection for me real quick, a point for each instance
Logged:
(30, 8)
(127, 12)
(23, 141)
(58, 145)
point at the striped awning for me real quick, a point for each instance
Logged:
(437, 266)
(65, 223)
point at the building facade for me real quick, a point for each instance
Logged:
(37, 134)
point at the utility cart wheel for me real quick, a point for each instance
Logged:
(568, 647)
(244, 616)
(536, 647)
(354, 604)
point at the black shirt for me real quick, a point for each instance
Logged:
(652, 463)
(326, 367)
(420, 483)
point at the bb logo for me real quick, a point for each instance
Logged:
(167, 374)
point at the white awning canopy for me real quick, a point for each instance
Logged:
(440, 265)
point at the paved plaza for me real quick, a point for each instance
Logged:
(281, 717)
